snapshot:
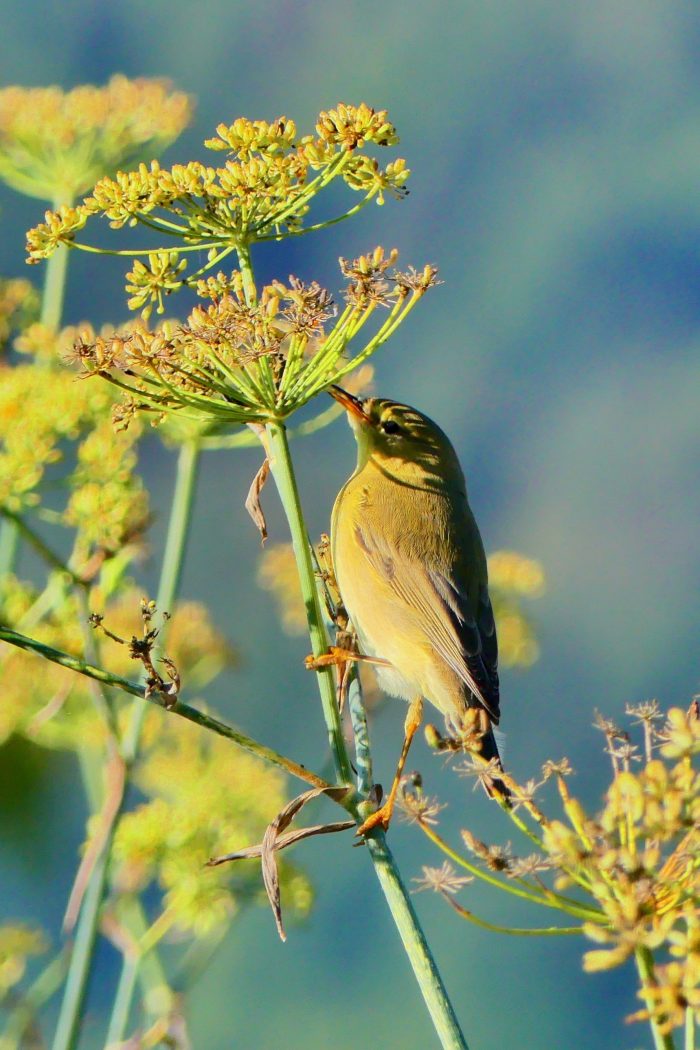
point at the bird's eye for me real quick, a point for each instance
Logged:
(390, 426)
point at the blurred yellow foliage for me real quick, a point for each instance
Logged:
(55, 145)
(203, 800)
(17, 944)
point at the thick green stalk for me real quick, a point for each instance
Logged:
(54, 288)
(415, 945)
(414, 942)
(283, 473)
(645, 969)
(121, 1007)
(690, 1027)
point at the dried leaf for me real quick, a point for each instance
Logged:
(274, 840)
(252, 503)
(250, 852)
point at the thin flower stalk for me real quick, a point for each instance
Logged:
(513, 931)
(645, 968)
(527, 891)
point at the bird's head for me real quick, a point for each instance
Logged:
(400, 440)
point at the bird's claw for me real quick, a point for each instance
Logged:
(335, 657)
(380, 818)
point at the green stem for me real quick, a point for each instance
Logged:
(142, 965)
(690, 1028)
(246, 268)
(647, 978)
(415, 944)
(173, 556)
(54, 288)
(199, 718)
(514, 931)
(283, 473)
(42, 549)
(403, 913)
(55, 279)
(9, 545)
(121, 1007)
(81, 956)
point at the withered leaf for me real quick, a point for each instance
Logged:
(252, 503)
(274, 840)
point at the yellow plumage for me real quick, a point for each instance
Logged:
(411, 567)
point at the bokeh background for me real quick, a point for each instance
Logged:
(556, 158)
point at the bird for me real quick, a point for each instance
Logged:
(412, 574)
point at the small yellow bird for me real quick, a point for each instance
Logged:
(411, 570)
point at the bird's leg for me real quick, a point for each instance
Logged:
(412, 724)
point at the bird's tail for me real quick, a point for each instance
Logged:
(489, 753)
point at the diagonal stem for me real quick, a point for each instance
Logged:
(199, 718)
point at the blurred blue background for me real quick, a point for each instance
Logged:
(556, 158)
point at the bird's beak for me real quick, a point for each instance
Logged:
(350, 403)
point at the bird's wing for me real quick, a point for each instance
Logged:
(466, 640)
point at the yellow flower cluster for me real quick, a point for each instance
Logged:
(351, 127)
(18, 303)
(513, 577)
(55, 145)
(263, 188)
(635, 865)
(38, 409)
(17, 944)
(107, 504)
(638, 859)
(215, 803)
(515, 574)
(277, 572)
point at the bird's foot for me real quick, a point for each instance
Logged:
(380, 818)
(338, 657)
(335, 657)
